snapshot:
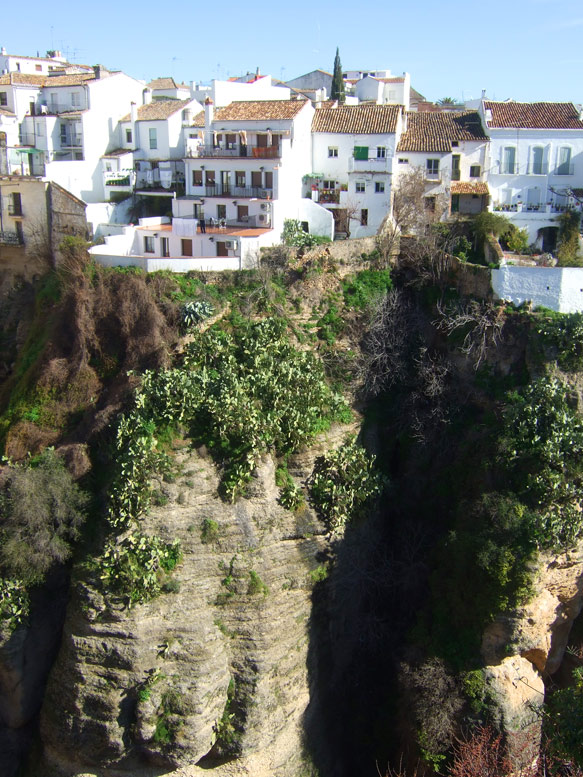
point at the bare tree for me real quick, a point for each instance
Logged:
(483, 320)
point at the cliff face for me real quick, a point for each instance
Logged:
(223, 659)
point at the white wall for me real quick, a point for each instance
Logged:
(557, 288)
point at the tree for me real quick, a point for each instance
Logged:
(337, 92)
(446, 101)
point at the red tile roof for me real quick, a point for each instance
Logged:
(533, 115)
(158, 110)
(469, 187)
(260, 110)
(357, 119)
(436, 131)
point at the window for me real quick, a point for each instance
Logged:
(128, 136)
(332, 151)
(210, 177)
(256, 177)
(16, 209)
(268, 180)
(475, 171)
(329, 184)
(361, 152)
(508, 160)
(186, 247)
(38, 68)
(455, 167)
(564, 167)
(230, 142)
(20, 232)
(536, 165)
(381, 152)
(379, 187)
(429, 203)
(148, 244)
(392, 95)
(240, 178)
(197, 177)
(153, 135)
(360, 187)
(75, 99)
(364, 217)
(3, 98)
(432, 168)
(165, 246)
(403, 161)
(242, 213)
(64, 135)
(455, 143)
(455, 203)
(222, 211)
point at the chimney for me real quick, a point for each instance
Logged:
(209, 112)
(3, 51)
(134, 113)
(147, 95)
(99, 70)
(187, 117)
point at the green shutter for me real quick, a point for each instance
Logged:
(361, 152)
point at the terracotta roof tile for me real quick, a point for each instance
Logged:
(6, 112)
(163, 83)
(469, 187)
(22, 79)
(396, 80)
(260, 110)
(159, 110)
(436, 131)
(533, 115)
(357, 119)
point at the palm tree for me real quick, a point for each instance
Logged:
(446, 101)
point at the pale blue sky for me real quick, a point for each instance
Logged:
(525, 49)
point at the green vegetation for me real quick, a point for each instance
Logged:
(563, 721)
(564, 333)
(343, 484)
(294, 235)
(209, 532)
(365, 287)
(256, 585)
(568, 253)
(291, 496)
(337, 90)
(137, 567)
(194, 312)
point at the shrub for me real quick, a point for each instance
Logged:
(138, 566)
(42, 512)
(343, 484)
(564, 720)
(209, 532)
(14, 603)
(256, 585)
(194, 312)
(563, 331)
(366, 287)
(294, 235)
(517, 241)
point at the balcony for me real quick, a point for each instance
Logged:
(237, 152)
(15, 210)
(71, 141)
(374, 164)
(238, 191)
(10, 239)
(328, 195)
(26, 139)
(433, 176)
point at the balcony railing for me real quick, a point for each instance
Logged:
(238, 151)
(328, 195)
(72, 141)
(375, 163)
(238, 191)
(432, 176)
(26, 138)
(10, 239)
(15, 210)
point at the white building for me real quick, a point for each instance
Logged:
(352, 158)
(451, 151)
(151, 148)
(395, 90)
(54, 61)
(168, 89)
(536, 160)
(71, 121)
(223, 93)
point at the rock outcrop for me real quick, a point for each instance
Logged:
(213, 674)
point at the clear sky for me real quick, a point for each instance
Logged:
(524, 49)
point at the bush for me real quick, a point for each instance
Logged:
(517, 241)
(564, 720)
(366, 287)
(563, 331)
(42, 511)
(294, 235)
(343, 484)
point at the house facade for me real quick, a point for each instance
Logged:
(536, 161)
(450, 151)
(353, 147)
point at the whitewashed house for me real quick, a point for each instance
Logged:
(168, 89)
(394, 90)
(151, 150)
(246, 166)
(54, 61)
(536, 160)
(451, 151)
(223, 93)
(352, 158)
(72, 121)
